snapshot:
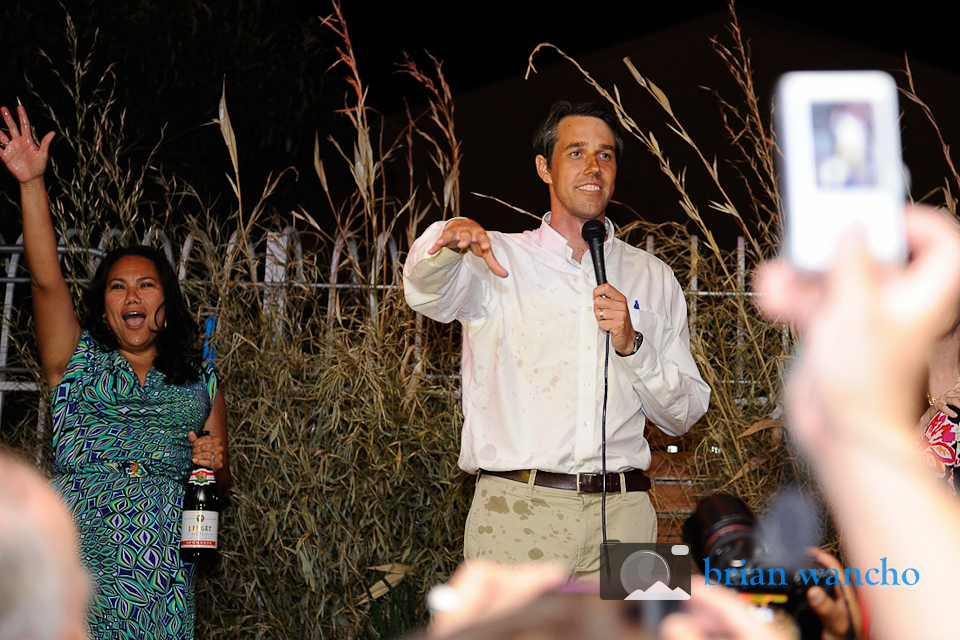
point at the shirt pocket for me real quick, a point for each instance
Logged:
(651, 325)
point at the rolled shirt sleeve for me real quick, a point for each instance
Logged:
(663, 373)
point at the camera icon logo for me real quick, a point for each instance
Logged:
(637, 571)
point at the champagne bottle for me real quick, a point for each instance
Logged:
(201, 516)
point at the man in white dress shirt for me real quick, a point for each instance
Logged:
(534, 330)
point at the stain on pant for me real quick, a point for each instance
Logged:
(512, 522)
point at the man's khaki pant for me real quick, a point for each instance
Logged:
(512, 522)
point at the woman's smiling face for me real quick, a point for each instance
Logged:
(134, 304)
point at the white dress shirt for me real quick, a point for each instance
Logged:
(533, 354)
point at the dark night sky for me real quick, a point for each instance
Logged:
(482, 43)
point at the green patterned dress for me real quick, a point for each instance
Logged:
(121, 455)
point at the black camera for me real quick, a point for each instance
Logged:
(733, 549)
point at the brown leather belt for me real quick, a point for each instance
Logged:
(635, 480)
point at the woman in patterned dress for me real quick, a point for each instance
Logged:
(939, 422)
(129, 397)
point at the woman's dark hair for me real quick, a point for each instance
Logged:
(178, 356)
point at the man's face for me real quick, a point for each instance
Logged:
(582, 172)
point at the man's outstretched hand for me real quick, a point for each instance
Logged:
(463, 234)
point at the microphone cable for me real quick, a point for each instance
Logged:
(594, 232)
(603, 450)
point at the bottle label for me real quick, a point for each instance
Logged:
(201, 476)
(199, 530)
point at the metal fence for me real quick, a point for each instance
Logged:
(282, 261)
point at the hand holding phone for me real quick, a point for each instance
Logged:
(840, 140)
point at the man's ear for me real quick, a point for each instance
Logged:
(543, 169)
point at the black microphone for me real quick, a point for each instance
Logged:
(594, 233)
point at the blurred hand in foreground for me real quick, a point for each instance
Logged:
(716, 612)
(482, 590)
(866, 328)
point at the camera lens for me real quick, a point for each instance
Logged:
(721, 529)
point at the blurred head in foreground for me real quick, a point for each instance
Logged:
(44, 590)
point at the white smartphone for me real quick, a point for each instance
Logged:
(839, 134)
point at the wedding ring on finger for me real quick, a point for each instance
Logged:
(213, 457)
(601, 314)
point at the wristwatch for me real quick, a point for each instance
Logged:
(636, 346)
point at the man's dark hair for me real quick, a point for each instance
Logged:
(178, 356)
(545, 138)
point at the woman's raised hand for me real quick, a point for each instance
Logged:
(24, 159)
(56, 327)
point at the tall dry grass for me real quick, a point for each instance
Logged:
(344, 405)
(344, 414)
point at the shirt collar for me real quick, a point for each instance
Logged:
(554, 243)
